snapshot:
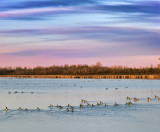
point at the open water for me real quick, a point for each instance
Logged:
(142, 116)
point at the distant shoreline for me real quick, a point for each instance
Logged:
(87, 76)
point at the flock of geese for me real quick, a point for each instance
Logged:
(16, 92)
(85, 103)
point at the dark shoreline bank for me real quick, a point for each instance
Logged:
(87, 76)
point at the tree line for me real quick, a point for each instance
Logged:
(97, 69)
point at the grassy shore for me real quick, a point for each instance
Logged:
(87, 76)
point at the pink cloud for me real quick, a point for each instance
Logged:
(23, 12)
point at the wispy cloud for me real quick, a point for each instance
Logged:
(138, 7)
(123, 41)
(25, 4)
(102, 51)
(81, 30)
(98, 33)
(16, 13)
(28, 8)
(102, 28)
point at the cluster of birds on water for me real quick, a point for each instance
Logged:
(16, 92)
(136, 99)
(85, 103)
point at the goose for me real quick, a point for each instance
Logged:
(130, 103)
(81, 105)
(116, 104)
(149, 99)
(135, 99)
(72, 107)
(156, 97)
(83, 101)
(6, 109)
(105, 104)
(50, 106)
(93, 105)
(26, 109)
(19, 108)
(67, 110)
(100, 102)
(38, 109)
(69, 105)
(128, 98)
(60, 107)
(15, 92)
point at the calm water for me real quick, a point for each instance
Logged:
(143, 116)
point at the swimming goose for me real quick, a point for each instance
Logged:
(129, 103)
(128, 98)
(105, 104)
(6, 109)
(38, 109)
(72, 107)
(156, 97)
(69, 105)
(50, 106)
(149, 99)
(93, 105)
(67, 110)
(15, 92)
(116, 104)
(135, 99)
(100, 102)
(19, 108)
(81, 105)
(60, 107)
(26, 109)
(83, 101)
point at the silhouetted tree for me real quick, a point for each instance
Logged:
(97, 69)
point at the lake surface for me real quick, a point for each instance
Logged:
(142, 116)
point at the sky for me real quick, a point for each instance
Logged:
(57, 32)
